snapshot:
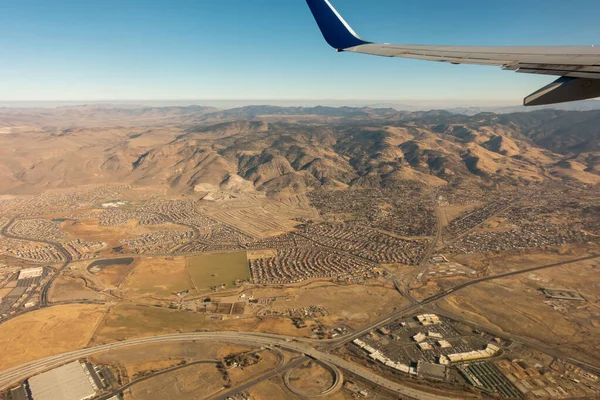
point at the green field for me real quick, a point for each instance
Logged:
(208, 270)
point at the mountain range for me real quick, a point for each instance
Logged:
(287, 150)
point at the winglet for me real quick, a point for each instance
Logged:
(336, 31)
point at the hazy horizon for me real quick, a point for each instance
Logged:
(73, 50)
(400, 105)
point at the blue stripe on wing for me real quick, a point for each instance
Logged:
(336, 31)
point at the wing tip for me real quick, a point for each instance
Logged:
(336, 31)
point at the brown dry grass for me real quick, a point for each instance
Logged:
(269, 361)
(67, 288)
(448, 213)
(157, 365)
(354, 305)
(91, 230)
(148, 357)
(126, 321)
(515, 305)
(49, 331)
(157, 278)
(114, 275)
(4, 292)
(311, 378)
(281, 326)
(576, 171)
(191, 383)
(258, 254)
(514, 261)
(275, 389)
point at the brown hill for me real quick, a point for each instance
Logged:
(291, 150)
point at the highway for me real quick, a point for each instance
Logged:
(316, 349)
(67, 256)
(300, 345)
(418, 305)
(249, 381)
(500, 276)
(436, 238)
(271, 374)
(163, 372)
(250, 339)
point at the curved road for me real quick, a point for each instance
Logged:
(67, 256)
(145, 378)
(303, 346)
(24, 371)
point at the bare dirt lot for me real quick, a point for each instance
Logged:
(42, 333)
(516, 305)
(261, 217)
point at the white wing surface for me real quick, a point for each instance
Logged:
(577, 66)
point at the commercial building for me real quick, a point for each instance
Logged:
(377, 355)
(31, 273)
(435, 335)
(563, 294)
(69, 382)
(489, 351)
(425, 346)
(431, 371)
(420, 337)
(429, 319)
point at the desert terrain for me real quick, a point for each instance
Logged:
(305, 226)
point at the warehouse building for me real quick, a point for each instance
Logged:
(69, 382)
(28, 273)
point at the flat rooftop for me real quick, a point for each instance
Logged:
(68, 382)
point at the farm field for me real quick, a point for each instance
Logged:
(208, 270)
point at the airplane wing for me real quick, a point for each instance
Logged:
(577, 66)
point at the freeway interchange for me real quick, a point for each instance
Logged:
(251, 339)
(310, 349)
(316, 349)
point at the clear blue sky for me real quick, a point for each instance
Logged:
(268, 49)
